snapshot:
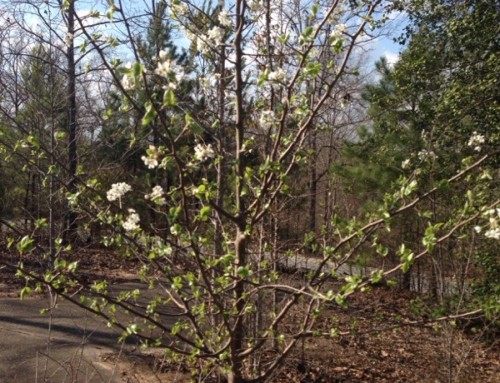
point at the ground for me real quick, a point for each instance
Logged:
(382, 346)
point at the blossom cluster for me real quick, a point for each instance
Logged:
(476, 141)
(213, 37)
(493, 231)
(493, 228)
(151, 160)
(156, 195)
(215, 34)
(132, 221)
(425, 154)
(168, 69)
(267, 119)
(128, 83)
(203, 152)
(117, 191)
(178, 9)
(339, 31)
(277, 75)
(225, 19)
(336, 38)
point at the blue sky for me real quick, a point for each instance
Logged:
(385, 45)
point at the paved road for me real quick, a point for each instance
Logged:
(78, 341)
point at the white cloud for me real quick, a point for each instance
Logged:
(391, 57)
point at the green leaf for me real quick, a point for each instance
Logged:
(177, 283)
(111, 12)
(244, 272)
(25, 245)
(133, 329)
(410, 188)
(72, 266)
(149, 115)
(83, 46)
(376, 276)
(340, 300)
(41, 222)
(314, 10)
(25, 291)
(308, 32)
(169, 98)
(138, 69)
(192, 125)
(205, 213)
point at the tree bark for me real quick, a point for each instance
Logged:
(71, 216)
(313, 185)
(240, 242)
(218, 237)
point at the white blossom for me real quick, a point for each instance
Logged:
(216, 35)
(128, 83)
(204, 83)
(493, 233)
(151, 163)
(494, 229)
(277, 75)
(164, 68)
(425, 154)
(208, 82)
(406, 163)
(225, 19)
(169, 70)
(151, 160)
(476, 141)
(117, 191)
(179, 9)
(156, 195)
(267, 118)
(339, 31)
(490, 212)
(336, 15)
(202, 46)
(132, 221)
(163, 55)
(203, 152)
(477, 229)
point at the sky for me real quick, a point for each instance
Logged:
(385, 45)
(382, 46)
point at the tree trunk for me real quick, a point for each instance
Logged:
(313, 186)
(218, 237)
(240, 242)
(239, 327)
(71, 224)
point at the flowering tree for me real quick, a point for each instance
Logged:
(264, 73)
